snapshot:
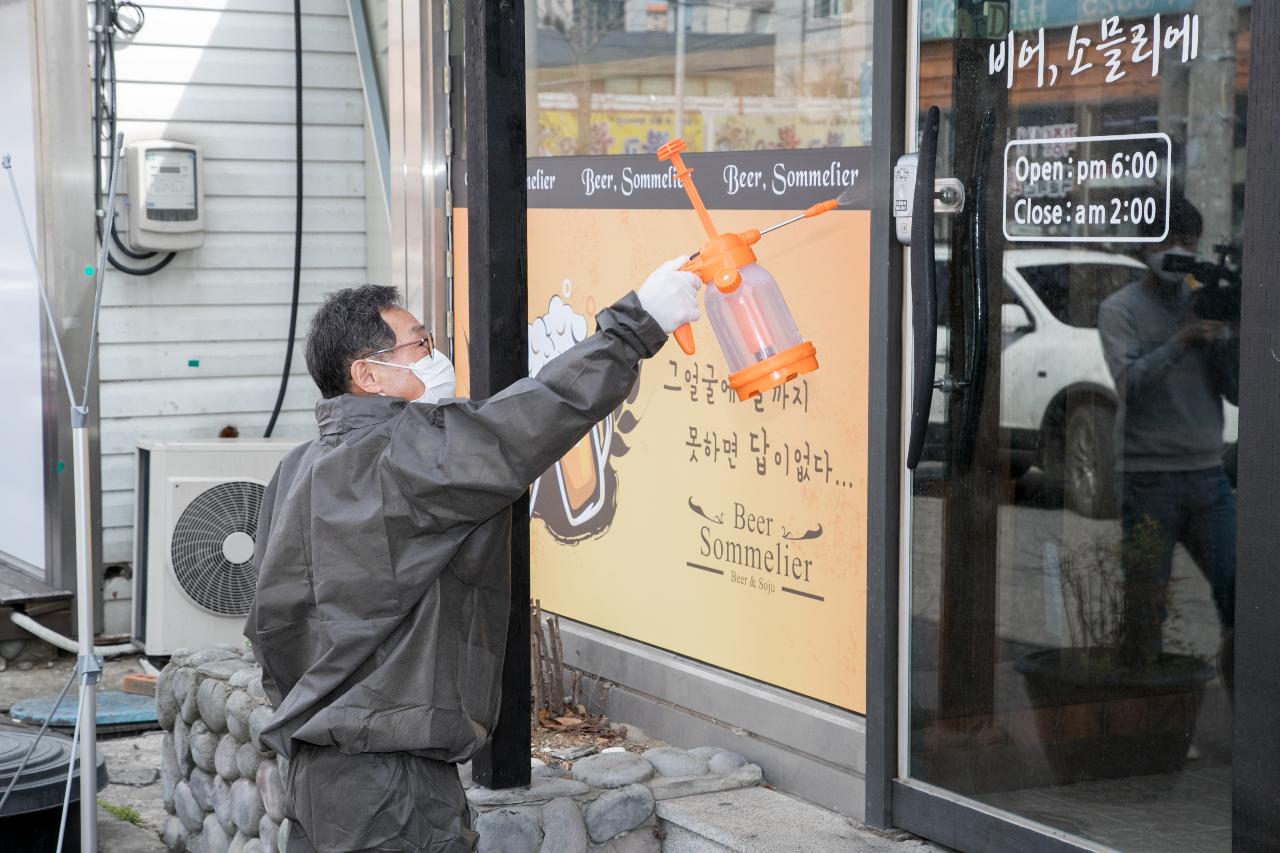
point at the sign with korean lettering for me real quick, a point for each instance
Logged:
(1121, 48)
(730, 532)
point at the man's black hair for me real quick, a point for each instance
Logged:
(347, 327)
(1184, 220)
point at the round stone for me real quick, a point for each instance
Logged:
(222, 670)
(11, 649)
(639, 840)
(508, 831)
(240, 680)
(282, 836)
(174, 835)
(543, 788)
(706, 751)
(203, 744)
(254, 845)
(214, 837)
(239, 706)
(616, 812)
(211, 698)
(248, 759)
(224, 759)
(166, 702)
(246, 806)
(209, 655)
(222, 806)
(269, 784)
(182, 748)
(675, 762)
(184, 678)
(725, 762)
(190, 709)
(186, 808)
(268, 832)
(169, 775)
(256, 691)
(547, 771)
(202, 786)
(259, 719)
(563, 830)
(612, 770)
(238, 843)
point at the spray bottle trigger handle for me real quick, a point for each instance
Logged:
(684, 337)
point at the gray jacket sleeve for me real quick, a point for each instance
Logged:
(463, 460)
(1134, 372)
(261, 536)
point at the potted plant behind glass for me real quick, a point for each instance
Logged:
(1101, 710)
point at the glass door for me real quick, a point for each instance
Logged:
(1072, 506)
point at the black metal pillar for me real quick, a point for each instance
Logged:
(1256, 762)
(884, 435)
(493, 59)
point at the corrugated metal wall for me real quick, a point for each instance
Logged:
(200, 345)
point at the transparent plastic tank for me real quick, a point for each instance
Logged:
(752, 323)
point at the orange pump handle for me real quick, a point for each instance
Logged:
(671, 151)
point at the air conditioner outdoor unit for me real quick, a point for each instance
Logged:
(195, 521)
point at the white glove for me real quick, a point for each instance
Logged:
(671, 296)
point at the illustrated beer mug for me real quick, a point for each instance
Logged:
(580, 474)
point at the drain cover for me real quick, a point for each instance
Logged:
(114, 709)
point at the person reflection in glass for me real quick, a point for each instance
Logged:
(1172, 370)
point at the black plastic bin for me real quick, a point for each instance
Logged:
(29, 821)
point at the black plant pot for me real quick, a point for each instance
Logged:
(1109, 721)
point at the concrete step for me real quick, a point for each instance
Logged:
(761, 820)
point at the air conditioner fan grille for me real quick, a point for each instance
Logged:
(211, 547)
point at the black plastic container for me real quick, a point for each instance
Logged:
(29, 821)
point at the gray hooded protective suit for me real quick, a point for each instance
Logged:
(383, 588)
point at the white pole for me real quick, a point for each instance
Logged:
(90, 667)
(680, 50)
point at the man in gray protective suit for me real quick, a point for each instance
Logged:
(383, 559)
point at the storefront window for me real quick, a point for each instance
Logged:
(1073, 518)
(626, 76)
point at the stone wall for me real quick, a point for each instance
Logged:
(224, 791)
(606, 804)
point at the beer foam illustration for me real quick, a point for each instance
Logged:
(553, 333)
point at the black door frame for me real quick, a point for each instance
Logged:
(949, 819)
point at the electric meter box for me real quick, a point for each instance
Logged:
(166, 195)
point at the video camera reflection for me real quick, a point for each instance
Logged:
(1218, 296)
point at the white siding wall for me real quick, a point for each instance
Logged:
(219, 73)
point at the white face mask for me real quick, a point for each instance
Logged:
(434, 371)
(1155, 261)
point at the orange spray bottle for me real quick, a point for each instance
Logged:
(750, 318)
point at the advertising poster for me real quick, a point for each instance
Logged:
(730, 532)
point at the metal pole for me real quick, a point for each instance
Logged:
(681, 11)
(89, 665)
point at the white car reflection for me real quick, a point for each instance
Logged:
(1057, 398)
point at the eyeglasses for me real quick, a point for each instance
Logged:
(427, 342)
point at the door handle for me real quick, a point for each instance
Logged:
(977, 318)
(924, 300)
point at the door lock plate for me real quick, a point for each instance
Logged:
(948, 195)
